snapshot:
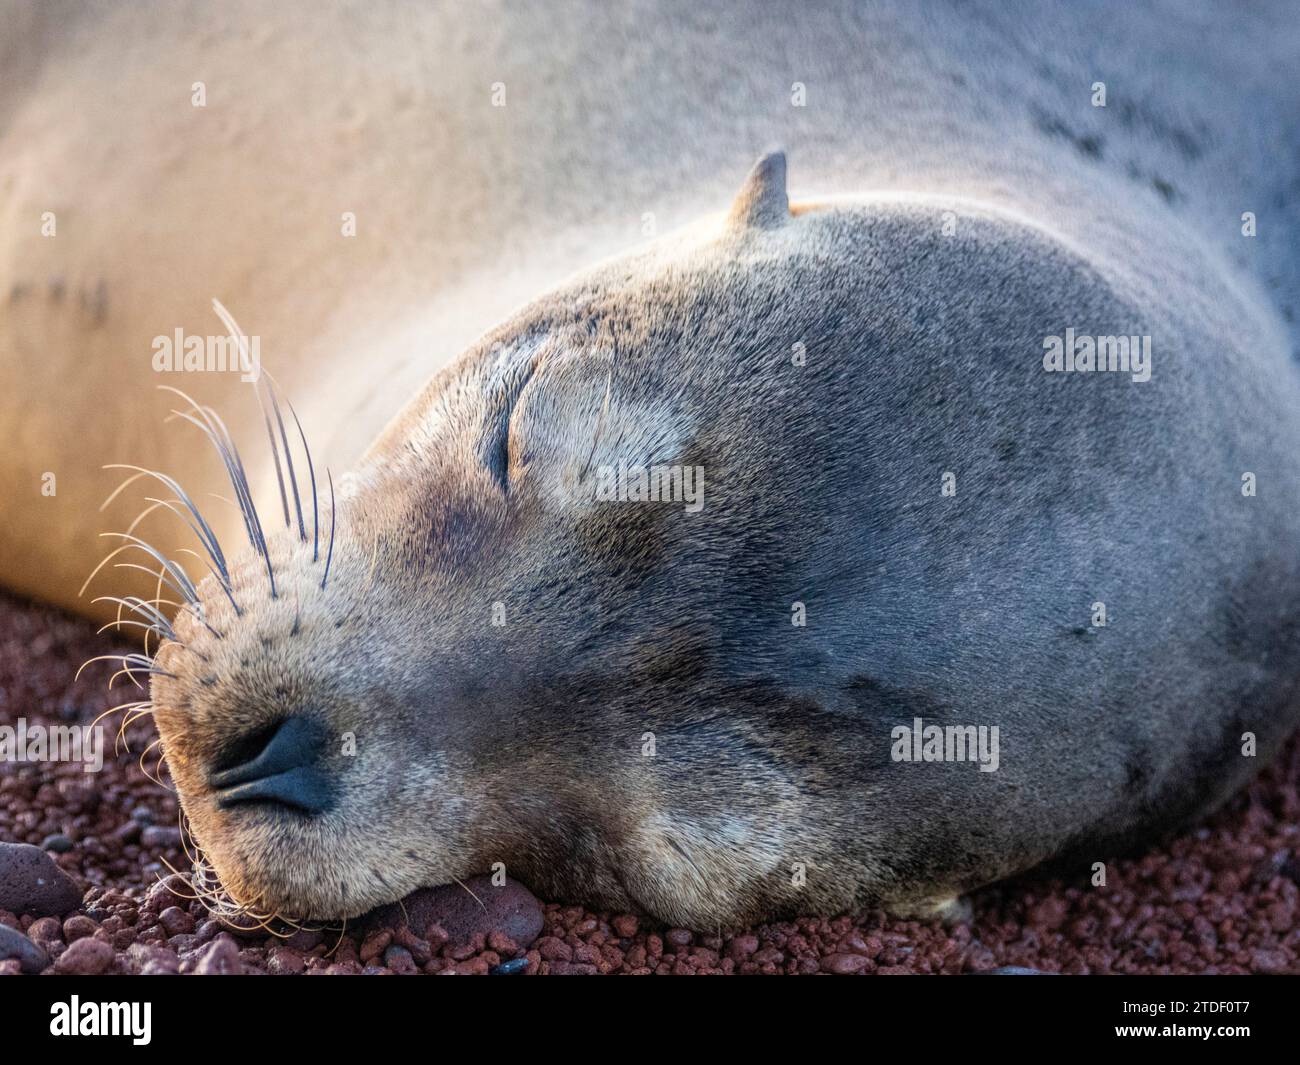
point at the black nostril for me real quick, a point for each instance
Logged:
(284, 768)
(237, 753)
(288, 744)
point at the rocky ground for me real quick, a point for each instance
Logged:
(85, 886)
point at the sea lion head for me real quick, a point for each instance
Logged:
(520, 647)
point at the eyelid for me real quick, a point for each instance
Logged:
(507, 378)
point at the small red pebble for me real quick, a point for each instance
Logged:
(399, 960)
(741, 947)
(78, 926)
(844, 964)
(176, 922)
(85, 957)
(679, 938)
(375, 944)
(45, 930)
(553, 949)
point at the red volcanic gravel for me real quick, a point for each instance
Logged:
(1223, 898)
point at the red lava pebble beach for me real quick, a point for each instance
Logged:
(86, 886)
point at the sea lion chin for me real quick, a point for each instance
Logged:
(527, 646)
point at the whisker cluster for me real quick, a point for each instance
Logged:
(149, 615)
(208, 890)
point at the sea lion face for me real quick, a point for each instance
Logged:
(499, 641)
(468, 686)
(534, 589)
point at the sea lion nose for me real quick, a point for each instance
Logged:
(285, 771)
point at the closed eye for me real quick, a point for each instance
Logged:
(506, 380)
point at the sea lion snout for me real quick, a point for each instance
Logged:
(289, 731)
(286, 771)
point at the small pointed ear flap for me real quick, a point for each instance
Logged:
(762, 200)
